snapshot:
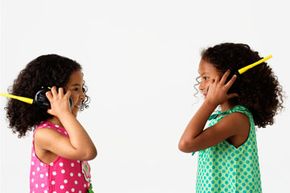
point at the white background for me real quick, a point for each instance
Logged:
(139, 60)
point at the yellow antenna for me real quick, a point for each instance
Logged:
(246, 68)
(20, 98)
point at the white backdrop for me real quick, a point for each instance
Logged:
(139, 60)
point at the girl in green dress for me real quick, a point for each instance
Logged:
(228, 157)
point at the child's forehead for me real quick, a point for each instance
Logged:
(76, 78)
(206, 68)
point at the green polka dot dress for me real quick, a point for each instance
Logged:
(223, 168)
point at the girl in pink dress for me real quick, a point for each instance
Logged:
(61, 146)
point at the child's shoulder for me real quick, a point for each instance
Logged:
(50, 127)
(238, 110)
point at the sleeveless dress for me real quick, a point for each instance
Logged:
(60, 176)
(223, 168)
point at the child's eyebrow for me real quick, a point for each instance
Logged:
(76, 84)
(204, 73)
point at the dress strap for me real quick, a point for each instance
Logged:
(237, 108)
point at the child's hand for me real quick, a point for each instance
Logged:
(59, 102)
(218, 88)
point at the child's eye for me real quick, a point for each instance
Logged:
(76, 89)
(205, 77)
(202, 79)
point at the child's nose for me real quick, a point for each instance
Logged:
(201, 86)
(82, 95)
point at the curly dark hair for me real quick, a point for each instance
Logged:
(44, 71)
(258, 88)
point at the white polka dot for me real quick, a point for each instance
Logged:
(41, 164)
(32, 180)
(42, 185)
(36, 185)
(61, 187)
(51, 164)
(56, 126)
(72, 190)
(72, 164)
(45, 191)
(65, 181)
(41, 175)
(33, 154)
(85, 185)
(66, 191)
(79, 174)
(80, 191)
(62, 171)
(60, 164)
(71, 174)
(33, 173)
(54, 192)
(78, 161)
(76, 182)
(46, 174)
(38, 168)
(54, 173)
(44, 125)
(32, 163)
(52, 182)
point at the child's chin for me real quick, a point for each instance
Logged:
(75, 111)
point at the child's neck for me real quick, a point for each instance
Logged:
(225, 106)
(56, 121)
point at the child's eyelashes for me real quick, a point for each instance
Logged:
(200, 79)
(77, 89)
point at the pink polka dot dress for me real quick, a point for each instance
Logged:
(60, 176)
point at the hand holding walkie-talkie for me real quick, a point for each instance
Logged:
(40, 98)
(58, 100)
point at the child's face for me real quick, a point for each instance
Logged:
(207, 73)
(75, 85)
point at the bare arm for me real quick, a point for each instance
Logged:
(231, 125)
(52, 141)
(195, 126)
(79, 144)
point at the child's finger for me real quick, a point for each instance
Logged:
(231, 82)
(49, 95)
(53, 91)
(60, 91)
(68, 94)
(225, 76)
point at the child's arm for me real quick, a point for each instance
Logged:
(194, 137)
(79, 145)
(235, 124)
